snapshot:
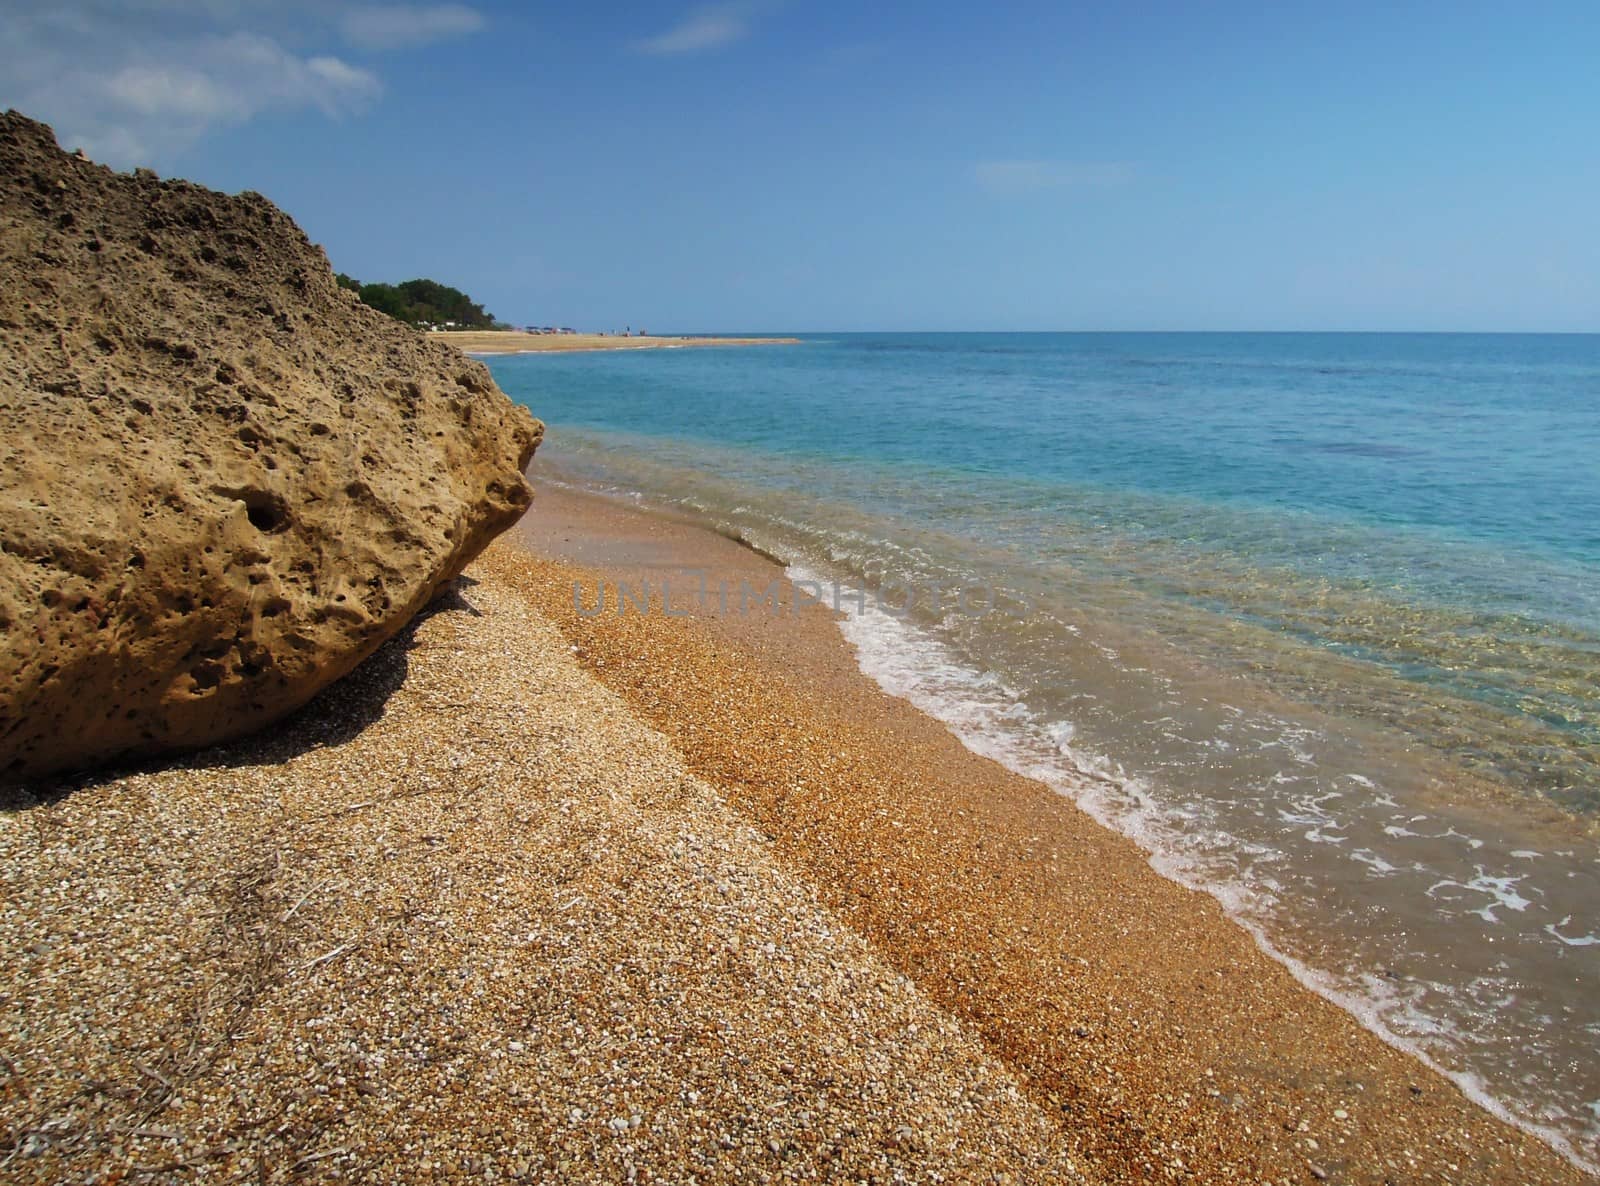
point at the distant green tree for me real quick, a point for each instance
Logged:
(418, 302)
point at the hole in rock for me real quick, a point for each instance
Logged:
(268, 512)
(266, 516)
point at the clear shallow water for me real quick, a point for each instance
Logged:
(1313, 617)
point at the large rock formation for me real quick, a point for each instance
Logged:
(223, 481)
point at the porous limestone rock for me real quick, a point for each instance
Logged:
(223, 481)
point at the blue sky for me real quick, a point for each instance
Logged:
(766, 165)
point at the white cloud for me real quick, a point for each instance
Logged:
(336, 85)
(230, 79)
(400, 26)
(708, 26)
(137, 81)
(179, 93)
(1021, 177)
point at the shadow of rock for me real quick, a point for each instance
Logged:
(337, 714)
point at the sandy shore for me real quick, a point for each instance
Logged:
(498, 342)
(1166, 1044)
(466, 918)
(540, 896)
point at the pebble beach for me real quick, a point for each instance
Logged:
(544, 896)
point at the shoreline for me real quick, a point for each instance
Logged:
(588, 538)
(508, 342)
(536, 895)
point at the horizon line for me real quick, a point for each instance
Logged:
(1508, 333)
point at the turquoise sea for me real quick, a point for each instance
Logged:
(1313, 617)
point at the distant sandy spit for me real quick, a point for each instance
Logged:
(508, 342)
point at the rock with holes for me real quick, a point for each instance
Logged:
(223, 481)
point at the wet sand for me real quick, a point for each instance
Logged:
(1133, 1010)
